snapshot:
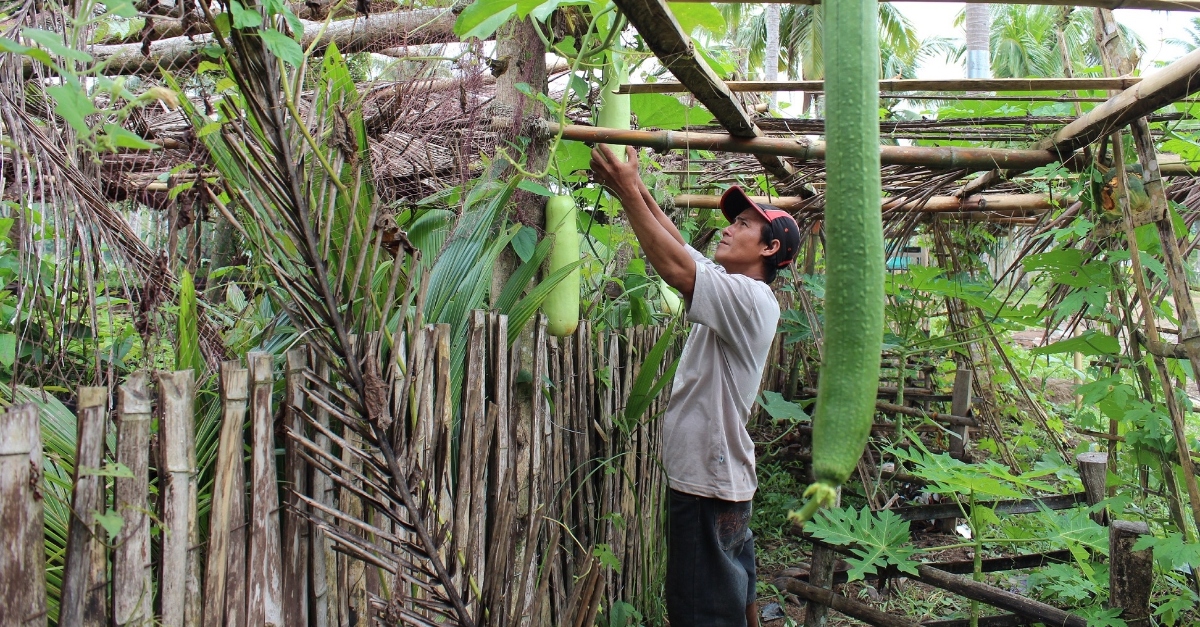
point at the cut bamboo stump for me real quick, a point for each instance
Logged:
(133, 584)
(1131, 573)
(226, 566)
(22, 571)
(264, 567)
(180, 571)
(82, 600)
(1093, 471)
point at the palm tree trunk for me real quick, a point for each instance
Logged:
(771, 61)
(979, 26)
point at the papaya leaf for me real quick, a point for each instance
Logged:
(875, 539)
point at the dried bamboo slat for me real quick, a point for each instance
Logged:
(22, 570)
(180, 572)
(264, 570)
(225, 583)
(133, 591)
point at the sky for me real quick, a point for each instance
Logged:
(937, 18)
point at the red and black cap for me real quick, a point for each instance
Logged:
(783, 226)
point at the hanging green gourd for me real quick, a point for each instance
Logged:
(854, 294)
(614, 111)
(562, 304)
(671, 303)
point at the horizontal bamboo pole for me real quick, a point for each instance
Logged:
(1151, 5)
(1006, 203)
(940, 157)
(955, 84)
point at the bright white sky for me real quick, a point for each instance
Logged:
(937, 18)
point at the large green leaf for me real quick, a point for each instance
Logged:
(875, 539)
(666, 112)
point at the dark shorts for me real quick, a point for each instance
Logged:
(710, 561)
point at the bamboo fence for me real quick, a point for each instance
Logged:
(298, 530)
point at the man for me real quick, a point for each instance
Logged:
(708, 455)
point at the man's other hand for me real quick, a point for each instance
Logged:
(619, 178)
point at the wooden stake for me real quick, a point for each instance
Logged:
(133, 591)
(295, 524)
(22, 570)
(179, 571)
(81, 603)
(265, 567)
(226, 567)
(820, 575)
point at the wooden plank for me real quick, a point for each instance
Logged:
(228, 488)
(960, 406)
(179, 571)
(1020, 506)
(81, 604)
(957, 567)
(264, 567)
(35, 520)
(133, 591)
(902, 85)
(675, 50)
(21, 567)
(295, 524)
(1002, 620)
(1012, 204)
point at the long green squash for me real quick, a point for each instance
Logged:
(614, 108)
(853, 249)
(562, 305)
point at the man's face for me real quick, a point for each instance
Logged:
(741, 245)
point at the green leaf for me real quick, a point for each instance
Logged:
(8, 349)
(603, 552)
(187, 346)
(1088, 343)
(1172, 552)
(666, 112)
(283, 47)
(121, 137)
(72, 105)
(112, 523)
(54, 43)
(645, 386)
(481, 18)
(534, 188)
(116, 471)
(243, 17)
(8, 45)
(524, 242)
(875, 539)
(693, 15)
(779, 409)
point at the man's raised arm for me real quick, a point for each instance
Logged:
(660, 240)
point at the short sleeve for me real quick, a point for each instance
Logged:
(734, 306)
(700, 259)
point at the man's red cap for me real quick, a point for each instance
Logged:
(783, 226)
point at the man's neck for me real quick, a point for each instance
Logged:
(753, 271)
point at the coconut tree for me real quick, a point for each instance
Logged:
(978, 22)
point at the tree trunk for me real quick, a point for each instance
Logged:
(979, 26)
(771, 62)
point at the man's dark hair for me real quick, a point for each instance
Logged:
(770, 264)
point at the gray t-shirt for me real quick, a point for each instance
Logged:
(706, 449)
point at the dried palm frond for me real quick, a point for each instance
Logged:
(298, 186)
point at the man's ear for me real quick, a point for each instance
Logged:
(772, 249)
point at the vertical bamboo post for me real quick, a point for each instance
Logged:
(22, 570)
(81, 604)
(960, 404)
(133, 592)
(226, 566)
(178, 575)
(1131, 573)
(295, 524)
(1093, 471)
(324, 560)
(264, 568)
(820, 574)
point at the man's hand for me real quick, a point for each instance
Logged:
(622, 179)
